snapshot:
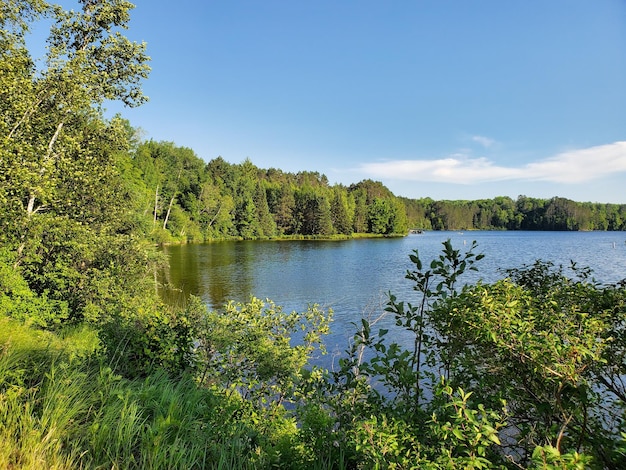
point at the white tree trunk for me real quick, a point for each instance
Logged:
(156, 205)
(169, 209)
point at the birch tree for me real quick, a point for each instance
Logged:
(52, 130)
(61, 193)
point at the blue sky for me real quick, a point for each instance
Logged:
(449, 99)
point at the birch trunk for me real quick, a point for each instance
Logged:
(30, 206)
(169, 208)
(156, 205)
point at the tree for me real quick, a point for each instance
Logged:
(360, 210)
(380, 217)
(417, 212)
(340, 212)
(245, 183)
(267, 226)
(387, 216)
(65, 200)
(312, 212)
(399, 221)
(215, 211)
(281, 203)
(175, 175)
(372, 189)
(49, 130)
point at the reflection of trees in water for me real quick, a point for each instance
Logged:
(215, 272)
(346, 274)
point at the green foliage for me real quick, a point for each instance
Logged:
(71, 236)
(536, 360)
(549, 458)
(503, 213)
(66, 209)
(388, 401)
(146, 336)
(539, 341)
(380, 217)
(190, 201)
(465, 435)
(18, 301)
(542, 343)
(55, 145)
(247, 348)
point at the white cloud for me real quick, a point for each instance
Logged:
(578, 166)
(575, 166)
(484, 141)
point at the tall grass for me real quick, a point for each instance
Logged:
(62, 408)
(38, 408)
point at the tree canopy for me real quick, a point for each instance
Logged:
(190, 200)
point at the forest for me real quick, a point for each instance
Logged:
(96, 371)
(184, 199)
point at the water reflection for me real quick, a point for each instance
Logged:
(353, 276)
(215, 272)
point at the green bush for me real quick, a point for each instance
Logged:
(18, 301)
(536, 359)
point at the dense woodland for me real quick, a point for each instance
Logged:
(97, 372)
(187, 199)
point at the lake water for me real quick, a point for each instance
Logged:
(353, 277)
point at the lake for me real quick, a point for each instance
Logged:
(353, 277)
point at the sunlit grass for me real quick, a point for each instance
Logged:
(38, 408)
(62, 408)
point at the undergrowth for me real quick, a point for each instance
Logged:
(61, 407)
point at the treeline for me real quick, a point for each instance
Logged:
(186, 199)
(525, 213)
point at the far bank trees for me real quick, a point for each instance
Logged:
(187, 199)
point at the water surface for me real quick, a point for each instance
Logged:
(353, 277)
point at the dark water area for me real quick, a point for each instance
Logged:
(353, 277)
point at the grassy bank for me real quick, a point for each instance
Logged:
(337, 236)
(61, 407)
